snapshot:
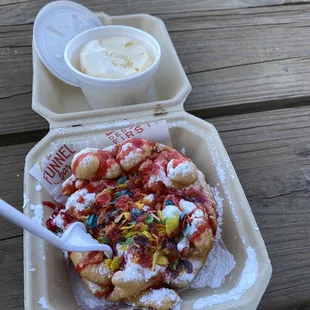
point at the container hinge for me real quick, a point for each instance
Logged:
(160, 110)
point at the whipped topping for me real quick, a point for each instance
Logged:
(114, 58)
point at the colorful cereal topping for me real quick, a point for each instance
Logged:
(126, 199)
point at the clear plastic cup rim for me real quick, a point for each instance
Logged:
(123, 29)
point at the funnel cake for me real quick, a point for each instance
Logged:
(153, 207)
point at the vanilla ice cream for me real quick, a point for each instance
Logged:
(114, 57)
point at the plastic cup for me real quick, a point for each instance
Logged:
(107, 93)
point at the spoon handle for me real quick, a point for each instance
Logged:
(18, 218)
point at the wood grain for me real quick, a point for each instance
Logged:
(12, 278)
(12, 161)
(237, 61)
(245, 59)
(24, 11)
(271, 154)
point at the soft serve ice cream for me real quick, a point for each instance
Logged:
(114, 57)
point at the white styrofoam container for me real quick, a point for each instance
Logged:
(64, 105)
(71, 119)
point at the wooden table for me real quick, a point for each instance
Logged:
(249, 65)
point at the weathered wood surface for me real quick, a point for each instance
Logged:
(12, 161)
(240, 56)
(237, 60)
(271, 154)
(12, 277)
(24, 11)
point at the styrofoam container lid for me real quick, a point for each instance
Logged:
(55, 25)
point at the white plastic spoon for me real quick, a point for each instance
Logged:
(74, 239)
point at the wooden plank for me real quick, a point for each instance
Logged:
(12, 161)
(237, 60)
(270, 152)
(253, 58)
(12, 278)
(24, 11)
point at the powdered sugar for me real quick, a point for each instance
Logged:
(183, 169)
(219, 264)
(219, 209)
(93, 286)
(83, 295)
(58, 221)
(248, 278)
(133, 158)
(171, 211)
(84, 151)
(224, 175)
(160, 296)
(230, 169)
(150, 197)
(184, 243)
(43, 303)
(126, 146)
(102, 270)
(160, 177)
(87, 161)
(187, 206)
(197, 217)
(75, 199)
(191, 230)
(110, 148)
(136, 272)
(119, 251)
(38, 213)
(69, 181)
(38, 187)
